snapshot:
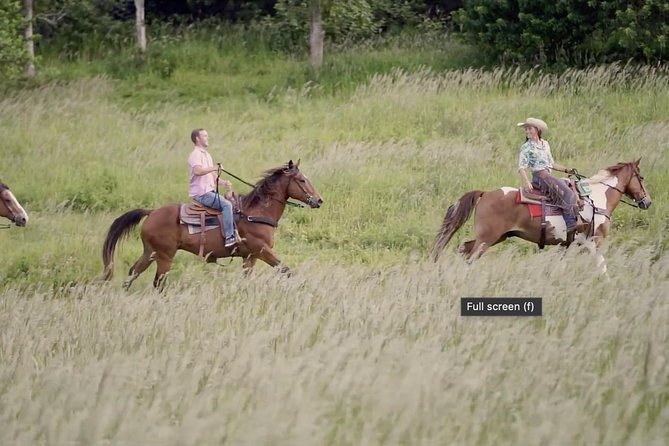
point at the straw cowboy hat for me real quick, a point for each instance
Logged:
(534, 122)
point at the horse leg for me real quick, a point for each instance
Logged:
(248, 264)
(267, 256)
(481, 245)
(139, 267)
(591, 245)
(164, 263)
(465, 248)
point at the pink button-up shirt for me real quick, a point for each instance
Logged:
(202, 184)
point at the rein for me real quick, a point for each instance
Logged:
(253, 187)
(634, 205)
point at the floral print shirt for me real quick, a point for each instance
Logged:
(535, 156)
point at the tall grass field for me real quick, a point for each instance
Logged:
(364, 344)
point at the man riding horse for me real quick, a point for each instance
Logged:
(203, 182)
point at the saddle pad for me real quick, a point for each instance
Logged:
(535, 209)
(196, 229)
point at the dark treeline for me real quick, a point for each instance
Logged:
(549, 32)
(245, 11)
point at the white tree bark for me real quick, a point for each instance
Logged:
(28, 35)
(140, 26)
(316, 35)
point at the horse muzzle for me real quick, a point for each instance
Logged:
(644, 203)
(314, 202)
(20, 220)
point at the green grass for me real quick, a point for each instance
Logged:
(344, 355)
(388, 157)
(364, 345)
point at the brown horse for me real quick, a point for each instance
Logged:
(499, 215)
(257, 216)
(11, 208)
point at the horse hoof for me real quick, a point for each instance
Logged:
(285, 270)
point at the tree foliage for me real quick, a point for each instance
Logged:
(567, 31)
(345, 21)
(13, 53)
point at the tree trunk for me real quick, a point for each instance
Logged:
(316, 36)
(140, 26)
(28, 35)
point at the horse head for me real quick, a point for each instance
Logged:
(10, 207)
(631, 182)
(299, 187)
(280, 184)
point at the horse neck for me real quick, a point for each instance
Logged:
(604, 196)
(271, 205)
(4, 210)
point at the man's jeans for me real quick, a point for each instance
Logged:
(214, 200)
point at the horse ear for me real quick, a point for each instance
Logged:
(298, 163)
(637, 161)
(290, 164)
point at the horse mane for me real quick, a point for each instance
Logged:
(610, 171)
(618, 167)
(264, 186)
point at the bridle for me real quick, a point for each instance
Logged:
(310, 198)
(298, 205)
(623, 193)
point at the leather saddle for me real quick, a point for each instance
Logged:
(201, 218)
(536, 196)
(539, 204)
(191, 214)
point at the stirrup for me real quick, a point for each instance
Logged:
(570, 237)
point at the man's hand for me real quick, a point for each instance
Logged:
(226, 184)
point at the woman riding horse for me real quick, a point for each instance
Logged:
(536, 154)
(499, 214)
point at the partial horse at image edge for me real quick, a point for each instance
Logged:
(10, 207)
(499, 215)
(256, 216)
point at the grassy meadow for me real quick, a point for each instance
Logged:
(364, 344)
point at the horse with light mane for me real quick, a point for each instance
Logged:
(10, 207)
(500, 215)
(257, 216)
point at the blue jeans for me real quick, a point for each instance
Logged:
(559, 194)
(214, 200)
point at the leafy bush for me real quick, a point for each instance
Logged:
(572, 32)
(351, 21)
(13, 54)
(83, 28)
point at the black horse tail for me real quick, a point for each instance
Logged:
(117, 231)
(456, 215)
